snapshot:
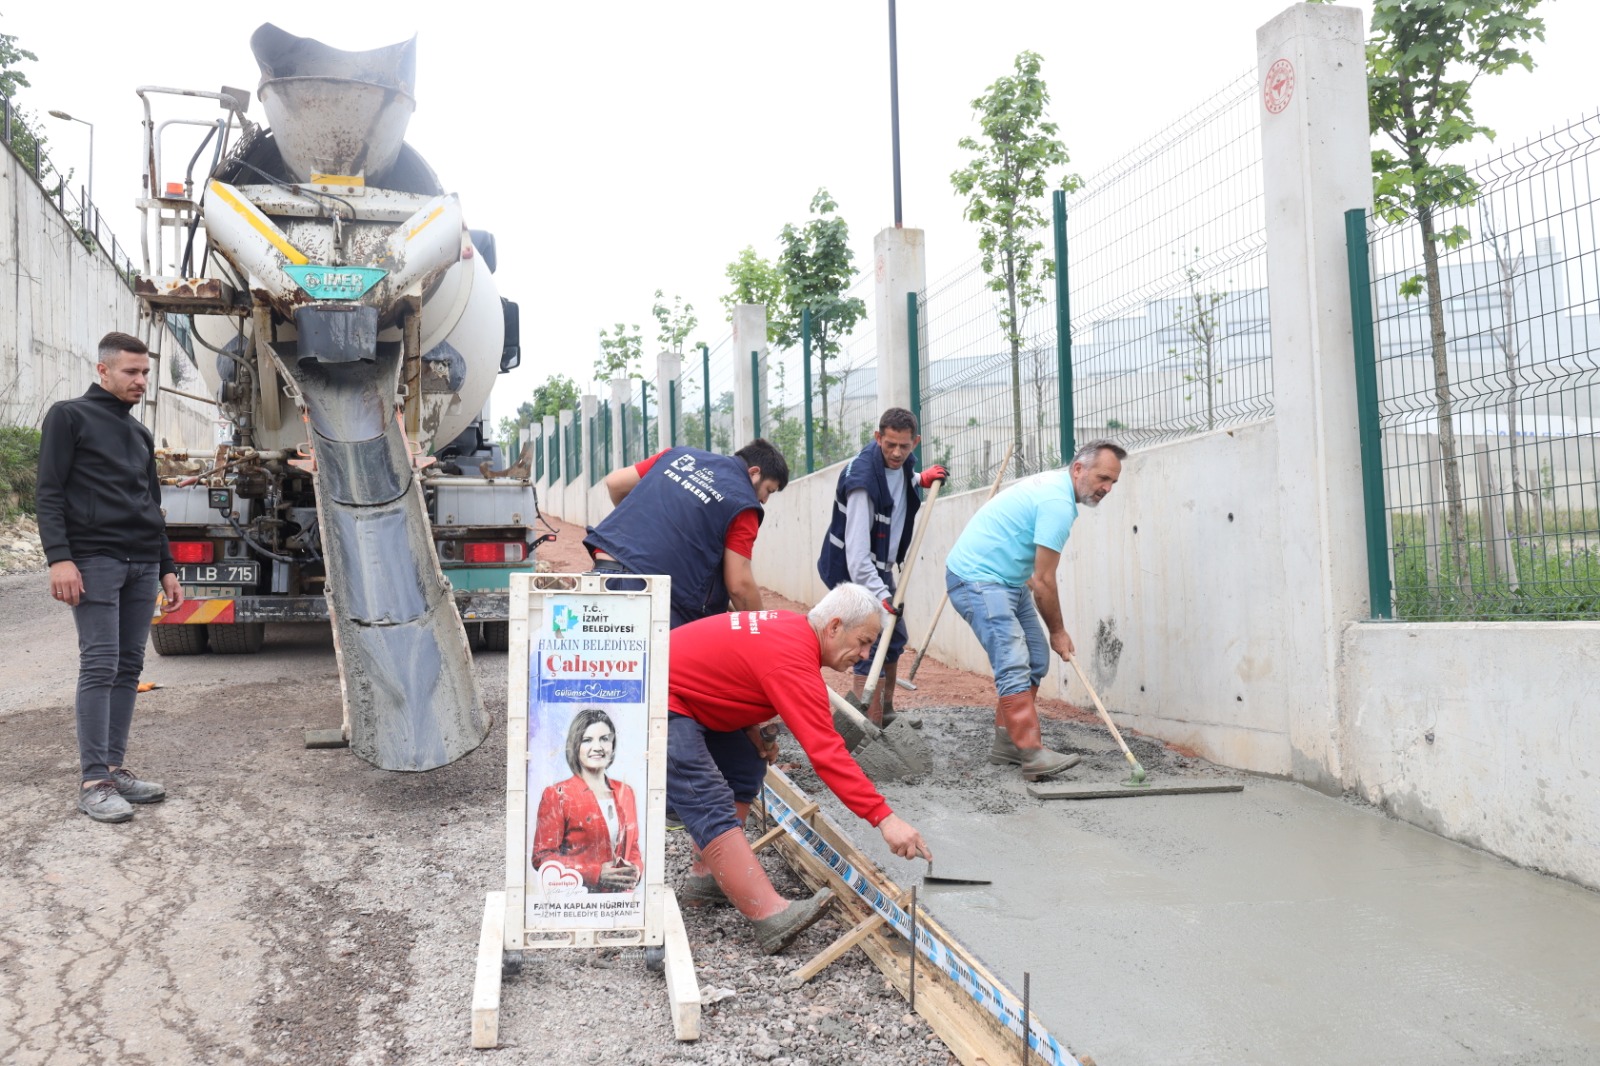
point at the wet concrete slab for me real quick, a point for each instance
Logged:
(1274, 925)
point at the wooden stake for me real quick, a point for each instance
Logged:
(486, 985)
(777, 831)
(683, 989)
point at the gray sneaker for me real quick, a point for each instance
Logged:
(101, 802)
(779, 931)
(134, 790)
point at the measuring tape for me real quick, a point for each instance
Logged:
(994, 999)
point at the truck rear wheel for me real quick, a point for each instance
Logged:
(496, 636)
(178, 639)
(241, 638)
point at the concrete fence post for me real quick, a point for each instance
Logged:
(621, 392)
(749, 335)
(669, 399)
(553, 476)
(588, 408)
(900, 267)
(1316, 166)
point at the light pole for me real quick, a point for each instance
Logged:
(68, 118)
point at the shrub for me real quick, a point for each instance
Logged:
(19, 469)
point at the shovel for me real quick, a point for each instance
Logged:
(899, 598)
(883, 754)
(911, 676)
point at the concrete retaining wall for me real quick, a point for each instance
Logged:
(57, 299)
(1484, 732)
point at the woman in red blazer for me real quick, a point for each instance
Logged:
(589, 822)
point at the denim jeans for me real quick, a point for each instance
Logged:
(707, 771)
(1007, 625)
(897, 639)
(113, 620)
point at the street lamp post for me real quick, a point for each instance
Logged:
(68, 118)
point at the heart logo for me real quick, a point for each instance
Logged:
(557, 878)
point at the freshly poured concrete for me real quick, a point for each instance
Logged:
(1276, 925)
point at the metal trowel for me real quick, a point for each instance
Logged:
(931, 878)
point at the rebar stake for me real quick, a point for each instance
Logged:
(913, 949)
(1026, 978)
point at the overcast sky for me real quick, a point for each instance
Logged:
(618, 148)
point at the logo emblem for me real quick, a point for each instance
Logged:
(684, 463)
(1277, 89)
(335, 283)
(563, 619)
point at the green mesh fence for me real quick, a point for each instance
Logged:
(1489, 442)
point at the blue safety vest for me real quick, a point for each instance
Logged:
(675, 522)
(866, 471)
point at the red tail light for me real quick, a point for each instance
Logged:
(192, 551)
(495, 551)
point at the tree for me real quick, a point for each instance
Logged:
(754, 280)
(816, 266)
(1004, 184)
(677, 322)
(27, 143)
(1197, 318)
(620, 353)
(1422, 61)
(558, 393)
(1510, 346)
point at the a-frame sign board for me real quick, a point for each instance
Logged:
(586, 762)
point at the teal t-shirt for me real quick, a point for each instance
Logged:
(998, 544)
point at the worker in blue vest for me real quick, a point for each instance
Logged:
(692, 515)
(874, 507)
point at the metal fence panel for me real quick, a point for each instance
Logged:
(1520, 316)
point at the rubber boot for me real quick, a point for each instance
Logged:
(700, 889)
(777, 921)
(1020, 718)
(858, 691)
(884, 697)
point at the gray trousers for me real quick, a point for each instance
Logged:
(113, 619)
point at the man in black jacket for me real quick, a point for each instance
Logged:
(100, 522)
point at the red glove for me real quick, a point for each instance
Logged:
(932, 474)
(888, 605)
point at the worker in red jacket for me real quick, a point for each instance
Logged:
(729, 674)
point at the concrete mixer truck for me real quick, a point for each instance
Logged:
(346, 323)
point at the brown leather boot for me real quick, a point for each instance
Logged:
(885, 694)
(1019, 722)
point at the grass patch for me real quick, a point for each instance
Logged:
(19, 470)
(1554, 573)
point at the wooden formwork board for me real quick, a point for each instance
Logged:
(977, 1016)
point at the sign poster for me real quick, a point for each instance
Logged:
(588, 730)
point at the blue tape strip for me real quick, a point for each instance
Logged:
(998, 1001)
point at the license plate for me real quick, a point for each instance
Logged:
(246, 573)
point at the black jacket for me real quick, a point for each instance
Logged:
(97, 491)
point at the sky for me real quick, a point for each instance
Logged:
(616, 149)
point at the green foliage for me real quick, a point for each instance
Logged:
(754, 280)
(25, 140)
(816, 266)
(19, 469)
(1196, 316)
(558, 393)
(676, 321)
(1557, 574)
(1004, 185)
(620, 353)
(1422, 61)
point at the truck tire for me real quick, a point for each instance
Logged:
(240, 638)
(496, 636)
(178, 639)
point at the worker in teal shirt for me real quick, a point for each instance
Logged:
(1002, 579)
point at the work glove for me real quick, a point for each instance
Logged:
(888, 605)
(932, 474)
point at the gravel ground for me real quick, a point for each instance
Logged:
(295, 906)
